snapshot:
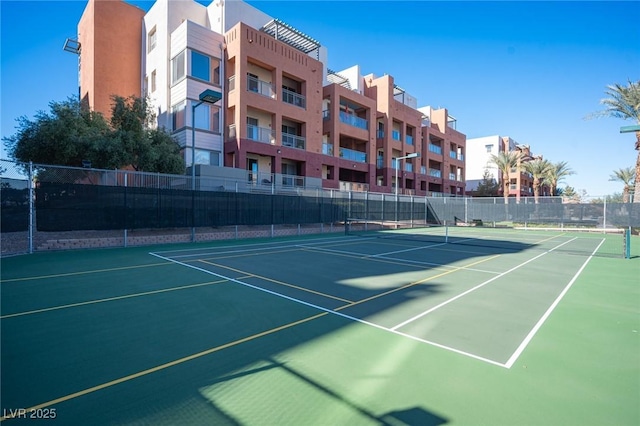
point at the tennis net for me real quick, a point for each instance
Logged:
(613, 243)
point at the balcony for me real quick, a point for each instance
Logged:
(452, 176)
(354, 120)
(409, 140)
(380, 163)
(395, 135)
(353, 155)
(260, 134)
(260, 87)
(326, 114)
(327, 149)
(453, 155)
(423, 170)
(293, 98)
(232, 83)
(380, 134)
(408, 167)
(461, 157)
(293, 141)
(435, 149)
(293, 180)
(435, 173)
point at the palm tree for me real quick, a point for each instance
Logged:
(505, 161)
(624, 102)
(556, 173)
(539, 169)
(627, 176)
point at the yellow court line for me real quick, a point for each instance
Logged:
(277, 282)
(368, 257)
(550, 238)
(167, 365)
(95, 271)
(415, 283)
(109, 299)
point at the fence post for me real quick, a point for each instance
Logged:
(31, 207)
(604, 218)
(125, 207)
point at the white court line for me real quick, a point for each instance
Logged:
(544, 317)
(278, 244)
(446, 302)
(407, 262)
(329, 311)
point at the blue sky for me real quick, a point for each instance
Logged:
(529, 70)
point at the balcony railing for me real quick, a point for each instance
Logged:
(435, 149)
(260, 134)
(232, 83)
(435, 173)
(453, 155)
(380, 134)
(327, 149)
(354, 186)
(326, 114)
(380, 163)
(261, 87)
(423, 170)
(354, 120)
(461, 157)
(293, 98)
(408, 167)
(452, 176)
(395, 135)
(293, 180)
(350, 154)
(409, 139)
(293, 141)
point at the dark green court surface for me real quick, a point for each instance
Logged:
(503, 328)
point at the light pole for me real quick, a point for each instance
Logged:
(208, 96)
(211, 97)
(412, 155)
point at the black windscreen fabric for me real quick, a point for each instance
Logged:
(14, 215)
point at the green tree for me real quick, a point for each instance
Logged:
(505, 161)
(627, 176)
(66, 135)
(624, 102)
(539, 169)
(556, 174)
(70, 134)
(488, 186)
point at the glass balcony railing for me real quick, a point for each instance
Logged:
(354, 120)
(395, 135)
(261, 87)
(461, 157)
(380, 163)
(293, 98)
(293, 180)
(423, 170)
(350, 154)
(327, 149)
(453, 155)
(260, 134)
(326, 114)
(452, 176)
(435, 173)
(232, 83)
(380, 134)
(435, 149)
(409, 139)
(408, 167)
(293, 141)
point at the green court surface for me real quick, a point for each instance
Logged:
(523, 328)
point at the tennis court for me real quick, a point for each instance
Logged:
(486, 326)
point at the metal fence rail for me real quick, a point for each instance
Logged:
(55, 202)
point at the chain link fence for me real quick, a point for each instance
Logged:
(54, 207)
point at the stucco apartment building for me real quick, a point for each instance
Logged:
(480, 151)
(280, 111)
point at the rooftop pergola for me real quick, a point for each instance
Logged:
(287, 34)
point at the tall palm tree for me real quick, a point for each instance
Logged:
(505, 161)
(627, 176)
(624, 102)
(556, 173)
(539, 169)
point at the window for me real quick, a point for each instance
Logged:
(151, 39)
(178, 116)
(489, 147)
(211, 158)
(153, 81)
(205, 68)
(252, 82)
(178, 67)
(207, 117)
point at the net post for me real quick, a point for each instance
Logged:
(31, 206)
(446, 232)
(627, 243)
